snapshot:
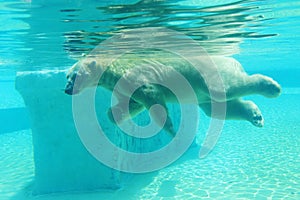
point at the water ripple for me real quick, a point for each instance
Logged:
(35, 31)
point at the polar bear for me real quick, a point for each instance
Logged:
(151, 67)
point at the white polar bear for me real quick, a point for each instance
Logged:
(150, 68)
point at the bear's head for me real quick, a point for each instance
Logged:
(83, 74)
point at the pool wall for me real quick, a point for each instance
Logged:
(14, 119)
(13, 113)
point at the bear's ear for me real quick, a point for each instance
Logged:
(93, 66)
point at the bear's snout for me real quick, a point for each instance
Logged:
(69, 89)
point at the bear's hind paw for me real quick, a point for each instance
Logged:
(257, 120)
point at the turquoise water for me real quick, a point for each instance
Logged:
(246, 163)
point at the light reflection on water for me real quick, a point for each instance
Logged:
(219, 29)
(42, 35)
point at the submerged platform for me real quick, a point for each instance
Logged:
(62, 163)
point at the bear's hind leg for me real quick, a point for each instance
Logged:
(246, 85)
(266, 86)
(237, 109)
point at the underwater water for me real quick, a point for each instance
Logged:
(246, 163)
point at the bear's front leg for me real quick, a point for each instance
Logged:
(117, 114)
(154, 101)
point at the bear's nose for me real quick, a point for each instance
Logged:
(69, 88)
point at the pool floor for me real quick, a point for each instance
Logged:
(247, 163)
